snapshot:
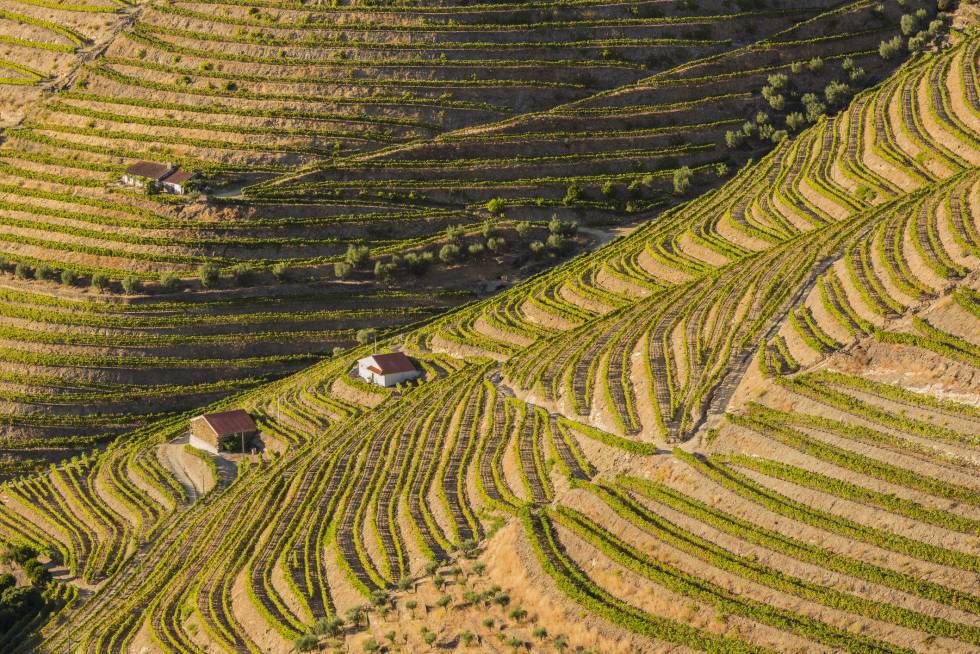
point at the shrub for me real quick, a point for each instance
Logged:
(449, 253)
(917, 43)
(476, 249)
(814, 107)
(573, 194)
(489, 228)
(281, 272)
(796, 67)
(496, 244)
(734, 139)
(495, 205)
(909, 24)
(131, 284)
(778, 80)
(357, 255)
(536, 247)
(208, 274)
(556, 242)
(779, 135)
(169, 281)
(523, 228)
(382, 271)
(366, 335)
(243, 274)
(455, 234)
(815, 64)
(608, 189)
(342, 270)
(418, 263)
(69, 277)
(795, 120)
(721, 169)
(306, 643)
(100, 281)
(891, 48)
(836, 92)
(857, 74)
(42, 272)
(682, 180)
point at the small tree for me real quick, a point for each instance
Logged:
(357, 255)
(734, 139)
(496, 244)
(909, 24)
(281, 272)
(169, 281)
(836, 92)
(495, 205)
(891, 48)
(306, 643)
(366, 335)
(208, 273)
(342, 270)
(444, 601)
(795, 121)
(69, 277)
(131, 284)
(42, 272)
(682, 180)
(523, 228)
(449, 253)
(100, 282)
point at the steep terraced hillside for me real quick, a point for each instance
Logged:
(360, 167)
(749, 426)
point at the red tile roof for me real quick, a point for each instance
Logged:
(149, 169)
(393, 363)
(178, 177)
(226, 423)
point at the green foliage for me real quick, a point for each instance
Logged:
(208, 273)
(682, 180)
(131, 284)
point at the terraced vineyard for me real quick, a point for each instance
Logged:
(749, 425)
(361, 167)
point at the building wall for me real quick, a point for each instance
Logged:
(398, 378)
(203, 433)
(202, 445)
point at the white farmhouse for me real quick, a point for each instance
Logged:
(387, 369)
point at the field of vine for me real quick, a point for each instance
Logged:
(751, 424)
(361, 167)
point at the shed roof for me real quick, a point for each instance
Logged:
(226, 423)
(149, 169)
(393, 363)
(178, 177)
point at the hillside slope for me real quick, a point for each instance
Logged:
(749, 426)
(321, 128)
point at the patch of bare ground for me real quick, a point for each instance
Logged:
(729, 232)
(618, 285)
(912, 368)
(192, 474)
(355, 394)
(481, 326)
(697, 251)
(570, 294)
(533, 313)
(462, 350)
(947, 315)
(661, 271)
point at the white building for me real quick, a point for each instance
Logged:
(387, 369)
